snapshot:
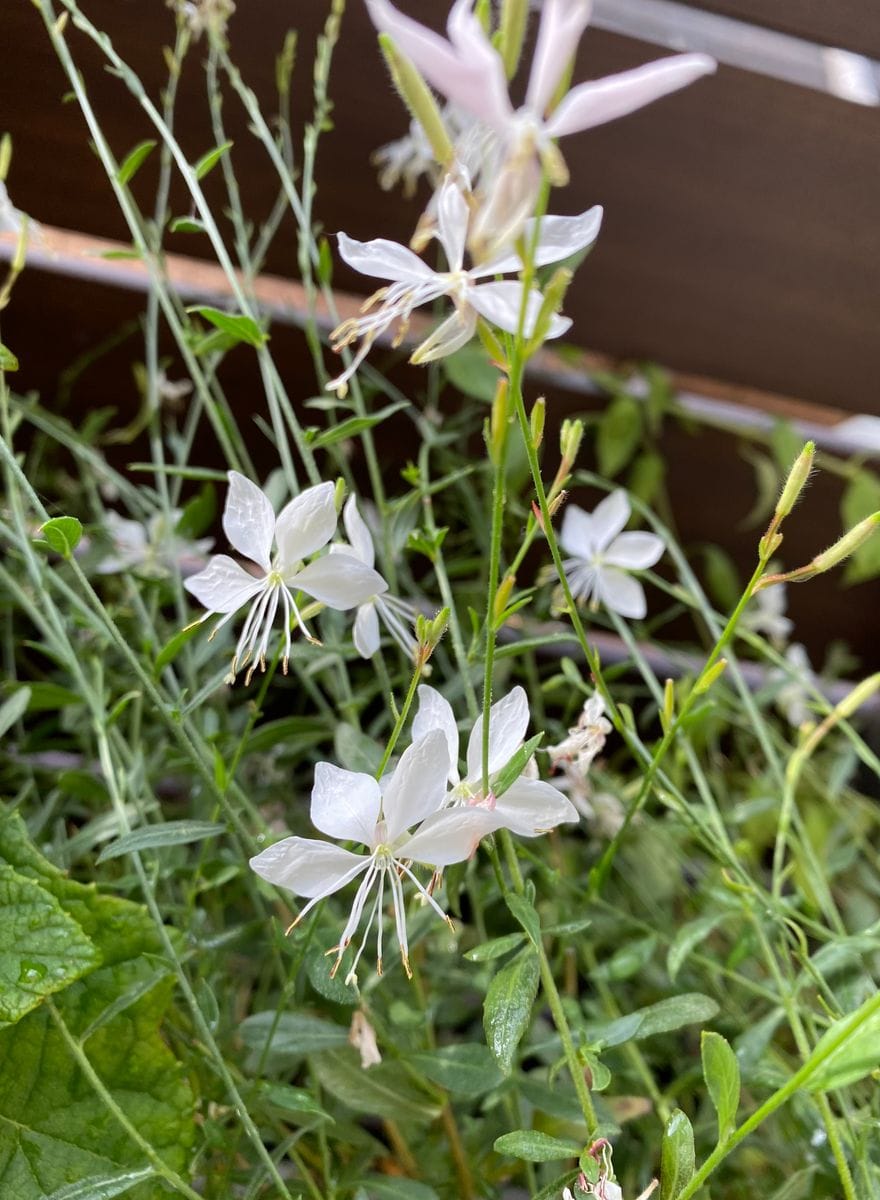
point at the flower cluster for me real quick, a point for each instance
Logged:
(422, 813)
(486, 159)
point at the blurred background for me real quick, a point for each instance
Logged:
(740, 249)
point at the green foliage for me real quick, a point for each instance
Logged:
(721, 1073)
(677, 1156)
(507, 1012)
(62, 534)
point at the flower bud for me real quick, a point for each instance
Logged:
(498, 421)
(339, 494)
(796, 482)
(554, 295)
(511, 33)
(417, 97)
(5, 155)
(846, 545)
(502, 596)
(570, 438)
(536, 422)
(715, 672)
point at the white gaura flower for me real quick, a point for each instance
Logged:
(528, 807)
(601, 555)
(396, 614)
(467, 69)
(586, 739)
(154, 549)
(302, 528)
(399, 820)
(413, 283)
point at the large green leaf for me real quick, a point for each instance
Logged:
(55, 1130)
(42, 950)
(507, 1012)
(384, 1090)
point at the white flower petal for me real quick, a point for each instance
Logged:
(417, 787)
(383, 259)
(621, 593)
(449, 837)
(223, 586)
(558, 326)
(339, 580)
(635, 551)
(452, 222)
(358, 532)
(435, 712)
(345, 804)
(466, 69)
(501, 302)
(602, 100)
(577, 536)
(559, 238)
(365, 633)
(508, 721)
(306, 524)
(249, 519)
(531, 806)
(449, 336)
(562, 23)
(307, 867)
(609, 517)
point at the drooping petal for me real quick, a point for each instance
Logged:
(452, 222)
(577, 535)
(602, 100)
(558, 326)
(621, 593)
(559, 238)
(417, 787)
(449, 837)
(501, 302)
(249, 519)
(223, 586)
(308, 867)
(306, 524)
(562, 23)
(609, 517)
(635, 551)
(358, 532)
(449, 336)
(365, 634)
(508, 721)
(466, 69)
(435, 712)
(339, 580)
(383, 259)
(531, 806)
(345, 804)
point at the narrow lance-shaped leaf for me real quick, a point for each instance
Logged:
(507, 1011)
(721, 1073)
(677, 1157)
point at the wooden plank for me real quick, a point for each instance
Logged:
(851, 24)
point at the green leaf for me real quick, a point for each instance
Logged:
(62, 534)
(355, 751)
(646, 476)
(527, 917)
(470, 371)
(173, 647)
(857, 1057)
(39, 1078)
(154, 837)
(293, 1100)
(383, 1091)
(352, 426)
(496, 948)
(42, 950)
(532, 1146)
(507, 1011)
(235, 325)
(208, 161)
(186, 225)
(509, 774)
(387, 1187)
(677, 1157)
(8, 361)
(465, 1069)
(721, 1073)
(103, 1187)
(688, 938)
(619, 434)
(691, 1008)
(198, 514)
(133, 161)
(290, 1036)
(14, 709)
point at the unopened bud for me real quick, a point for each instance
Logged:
(502, 596)
(554, 295)
(796, 482)
(417, 97)
(511, 33)
(667, 713)
(498, 422)
(570, 438)
(846, 545)
(536, 422)
(5, 156)
(339, 494)
(491, 345)
(429, 631)
(714, 672)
